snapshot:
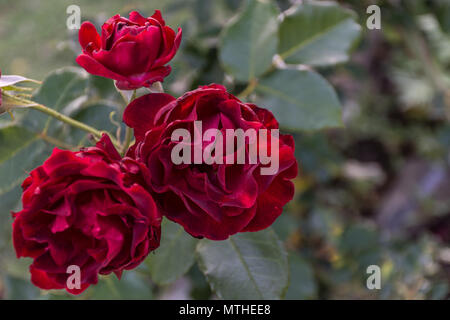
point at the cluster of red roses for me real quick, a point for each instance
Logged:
(102, 212)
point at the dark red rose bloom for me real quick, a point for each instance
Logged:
(216, 200)
(131, 51)
(88, 209)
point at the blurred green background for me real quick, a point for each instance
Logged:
(376, 191)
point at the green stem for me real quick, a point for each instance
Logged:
(126, 143)
(20, 89)
(249, 89)
(68, 120)
(61, 117)
(56, 142)
(34, 81)
(128, 130)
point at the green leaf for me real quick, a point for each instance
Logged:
(64, 90)
(20, 151)
(62, 87)
(303, 285)
(20, 289)
(251, 265)
(96, 115)
(300, 99)
(248, 44)
(9, 201)
(318, 34)
(12, 138)
(21, 148)
(175, 255)
(103, 88)
(132, 286)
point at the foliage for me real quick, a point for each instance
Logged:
(372, 139)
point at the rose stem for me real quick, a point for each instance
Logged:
(248, 90)
(61, 117)
(128, 130)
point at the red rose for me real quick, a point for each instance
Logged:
(210, 200)
(86, 209)
(131, 51)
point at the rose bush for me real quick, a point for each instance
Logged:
(101, 211)
(217, 200)
(131, 51)
(88, 209)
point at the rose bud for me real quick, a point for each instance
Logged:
(85, 209)
(131, 51)
(12, 96)
(212, 199)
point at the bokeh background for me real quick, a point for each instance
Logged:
(376, 191)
